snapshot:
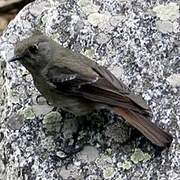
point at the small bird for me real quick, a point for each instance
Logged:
(79, 85)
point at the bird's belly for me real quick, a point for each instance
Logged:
(72, 104)
(75, 105)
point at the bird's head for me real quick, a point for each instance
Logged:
(34, 52)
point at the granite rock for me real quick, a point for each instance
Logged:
(138, 42)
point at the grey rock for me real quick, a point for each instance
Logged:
(123, 34)
(88, 154)
(70, 126)
(118, 132)
(165, 26)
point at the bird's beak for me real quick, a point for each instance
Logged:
(16, 58)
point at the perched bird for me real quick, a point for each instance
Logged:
(79, 85)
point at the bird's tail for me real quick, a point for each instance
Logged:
(156, 135)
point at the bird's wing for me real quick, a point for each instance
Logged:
(98, 85)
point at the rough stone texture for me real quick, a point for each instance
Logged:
(138, 41)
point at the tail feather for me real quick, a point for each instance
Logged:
(146, 127)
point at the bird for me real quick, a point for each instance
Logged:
(79, 85)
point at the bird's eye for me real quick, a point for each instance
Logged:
(33, 49)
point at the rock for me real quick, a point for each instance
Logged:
(167, 12)
(174, 80)
(164, 26)
(88, 154)
(140, 48)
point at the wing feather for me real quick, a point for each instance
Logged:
(102, 86)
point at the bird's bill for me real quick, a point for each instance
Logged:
(15, 58)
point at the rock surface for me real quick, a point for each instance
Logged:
(139, 39)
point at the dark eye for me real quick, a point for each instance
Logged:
(33, 49)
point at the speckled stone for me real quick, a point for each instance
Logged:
(168, 11)
(174, 80)
(88, 154)
(138, 42)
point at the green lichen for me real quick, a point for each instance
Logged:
(126, 165)
(103, 161)
(28, 113)
(89, 53)
(52, 117)
(147, 157)
(109, 151)
(52, 122)
(108, 172)
(139, 156)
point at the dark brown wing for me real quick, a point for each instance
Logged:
(103, 87)
(120, 87)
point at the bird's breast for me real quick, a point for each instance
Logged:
(75, 105)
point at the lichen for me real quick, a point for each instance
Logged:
(126, 165)
(28, 113)
(167, 12)
(52, 117)
(89, 53)
(52, 121)
(103, 161)
(108, 172)
(139, 156)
